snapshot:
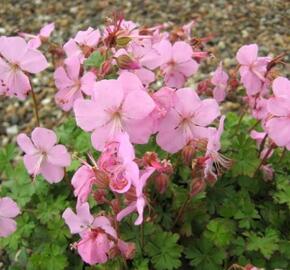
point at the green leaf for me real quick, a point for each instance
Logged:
(164, 251)
(267, 244)
(204, 255)
(95, 60)
(220, 231)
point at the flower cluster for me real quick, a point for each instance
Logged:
(127, 85)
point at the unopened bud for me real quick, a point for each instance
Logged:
(122, 41)
(126, 62)
(106, 67)
(188, 152)
(197, 186)
(161, 182)
(100, 196)
(115, 205)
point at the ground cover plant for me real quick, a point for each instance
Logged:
(146, 169)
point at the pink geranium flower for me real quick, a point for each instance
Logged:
(278, 126)
(117, 161)
(8, 211)
(83, 181)
(42, 156)
(83, 40)
(215, 162)
(36, 40)
(115, 108)
(17, 59)
(219, 80)
(71, 84)
(253, 68)
(96, 234)
(177, 62)
(186, 121)
(139, 202)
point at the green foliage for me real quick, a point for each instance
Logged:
(95, 60)
(240, 219)
(164, 251)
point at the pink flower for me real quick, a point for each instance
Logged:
(42, 156)
(138, 204)
(8, 211)
(116, 107)
(219, 80)
(178, 63)
(96, 234)
(213, 159)
(259, 137)
(71, 84)
(164, 100)
(83, 181)
(278, 127)
(17, 59)
(87, 39)
(117, 161)
(253, 68)
(36, 40)
(186, 121)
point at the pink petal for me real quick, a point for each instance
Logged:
(139, 130)
(137, 105)
(174, 79)
(181, 52)
(52, 173)
(109, 94)
(61, 79)
(186, 101)
(32, 163)
(164, 48)
(251, 82)
(82, 182)
(247, 54)
(72, 49)
(140, 209)
(88, 83)
(126, 211)
(66, 97)
(206, 112)
(78, 222)
(8, 208)
(89, 115)
(93, 250)
(281, 87)
(43, 138)
(278, 106)
(146, 76)
(18, 83)
(58, 155)
(46, 30)
(33, 61)
(13, 48)
(130, 82)
(72, 66)
(188, 68)
(279, 130)
(101, 135)
(34, 43)
(219, 94)
(171, 140)
(25, 144)
(7, 226)
(105, 224)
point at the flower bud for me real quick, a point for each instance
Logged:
(100, 196)
(188, 152)
(161, 182)
(123, 41)
(115, 205)
(197, 186)
(126, 62)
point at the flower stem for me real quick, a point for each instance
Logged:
(182, 209)
(240, 121)
(264, 159)
(35, 106)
